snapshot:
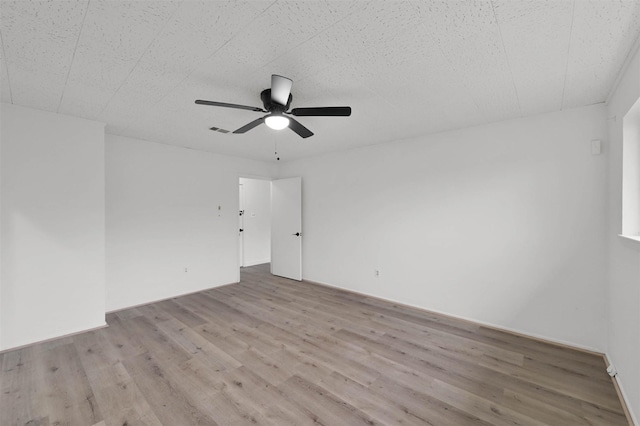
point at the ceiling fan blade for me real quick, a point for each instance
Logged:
(343, 111)
(299, 128)
(222, 104)
(280, 89)
(250, 126)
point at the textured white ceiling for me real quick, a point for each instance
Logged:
(405, 67)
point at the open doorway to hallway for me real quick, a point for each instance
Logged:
(254, 230)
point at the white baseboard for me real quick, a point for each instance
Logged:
(50, 339)
(256, 262)
(624, 399)
(539, 337)
(166, 298)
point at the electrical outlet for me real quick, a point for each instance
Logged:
(376, 273)
(186, 270)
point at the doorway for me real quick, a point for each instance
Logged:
(254, 222)
(270, 225)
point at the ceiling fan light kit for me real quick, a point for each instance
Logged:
(276, 102)
(276, 121)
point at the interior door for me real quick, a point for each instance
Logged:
(286, 228)
(241, 228)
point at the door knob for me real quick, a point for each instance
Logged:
(297, 234)
(241, 229)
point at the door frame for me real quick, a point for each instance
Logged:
(240, 226)
(244, 176)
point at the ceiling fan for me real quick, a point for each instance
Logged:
(276, 102)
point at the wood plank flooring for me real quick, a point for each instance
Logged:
(270, 351)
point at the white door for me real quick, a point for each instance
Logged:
(286, 228)
(241, 229)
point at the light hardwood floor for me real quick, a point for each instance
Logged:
(279, 352)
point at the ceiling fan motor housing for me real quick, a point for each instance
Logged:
(271, 106)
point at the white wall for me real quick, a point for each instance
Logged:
(631, 172)
(624, 255)
(257, 221)
(52, 224)
(162, 217)
(503, 224)
(1, 346)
